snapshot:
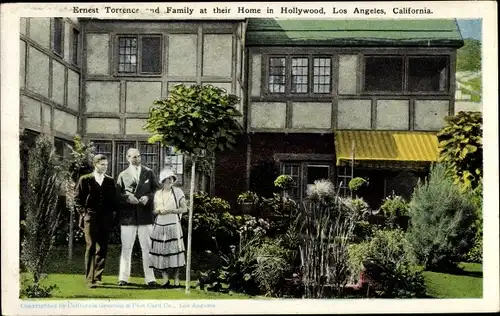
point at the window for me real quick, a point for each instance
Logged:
(292, 75)
(317, 172)
(321, 75)
(57, 37)
(293, 170)
(383, 73)
(151, 156)
(300, 77)
(277, 74)
(61, 147)
(76, 46)
(139, 55)
(427, 74)
(400, 74)
(175, 162)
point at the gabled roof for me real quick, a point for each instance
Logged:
(428, 33)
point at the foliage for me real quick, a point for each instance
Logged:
(442, 217)
(199, 120)
(321, 190)
(235, 269)
(284, 182)
(388, 261)
(248, 197)
(273, 265)
(46, 179)
(356, 183)
(361, 212)
(36, 290)
(469, 56)
(394, 207)
(326, 227)
(476, 252)
(461, 147)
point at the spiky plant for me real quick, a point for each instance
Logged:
(45, 182)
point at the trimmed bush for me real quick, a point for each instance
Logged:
(388, 261)
(442, 217)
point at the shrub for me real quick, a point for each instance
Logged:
(29, 289)
(356, 183)
(476, 253)
(442, 216)
(361, 212)
(273, 264)
(388, 261)
(394, 208)
(46, 179)
(248, 197)
(284, 182)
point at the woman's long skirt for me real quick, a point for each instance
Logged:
(167, 247)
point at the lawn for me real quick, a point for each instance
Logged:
(469, 284)
(69, 278)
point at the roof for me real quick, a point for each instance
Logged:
(402, 146)
(428, 33)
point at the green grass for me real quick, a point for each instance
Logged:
(467, 285)
(70, 280)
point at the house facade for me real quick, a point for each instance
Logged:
(313, 92)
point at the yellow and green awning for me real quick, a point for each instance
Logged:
(402, 146)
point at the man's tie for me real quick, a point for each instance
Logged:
(137, 174)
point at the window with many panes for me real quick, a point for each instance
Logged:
(305, 74)
(139, 54)
(57, 36)
(322, 73)
(277, 72)
(398, 74)
(293, 170)
(152, 156)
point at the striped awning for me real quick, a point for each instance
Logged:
(404, 146)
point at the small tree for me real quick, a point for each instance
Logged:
(46, 177)
(79, 163)
(442, 216)
(462, 147)
(197, 121)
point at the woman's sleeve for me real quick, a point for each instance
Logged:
(156, 201)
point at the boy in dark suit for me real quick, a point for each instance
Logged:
(137, 185)
(95, 200)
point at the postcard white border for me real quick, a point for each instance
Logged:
(12, 305)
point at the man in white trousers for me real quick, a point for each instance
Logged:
(137, 185)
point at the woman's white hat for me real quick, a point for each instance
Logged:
(167, 173)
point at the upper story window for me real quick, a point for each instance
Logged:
(139, 54)
(399, 74)
(76, 46)
(299, 75)
(57, 36)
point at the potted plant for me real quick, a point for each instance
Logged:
(247, 201)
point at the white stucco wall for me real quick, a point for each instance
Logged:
(65, 122)
(182, 54)
(268, 114)
(141, 95)
(98, 54)
(393, 115)
(40, 31)
(217, 55)
(102, 126)
(31, 110)
(430, 114)
(311, 115)
(23, 25)
(348, 67)
(38, 72)
(73, 90)
(47, 116)
(22, 60)
(256, 74)
(58, 82)
(102, 96)
(134, 126)
(354, 114)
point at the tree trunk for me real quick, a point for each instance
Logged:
(70, 237)
(190, 227)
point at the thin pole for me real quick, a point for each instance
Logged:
(190, 227)
(352, 161)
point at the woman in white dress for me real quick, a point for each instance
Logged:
(167, 245)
